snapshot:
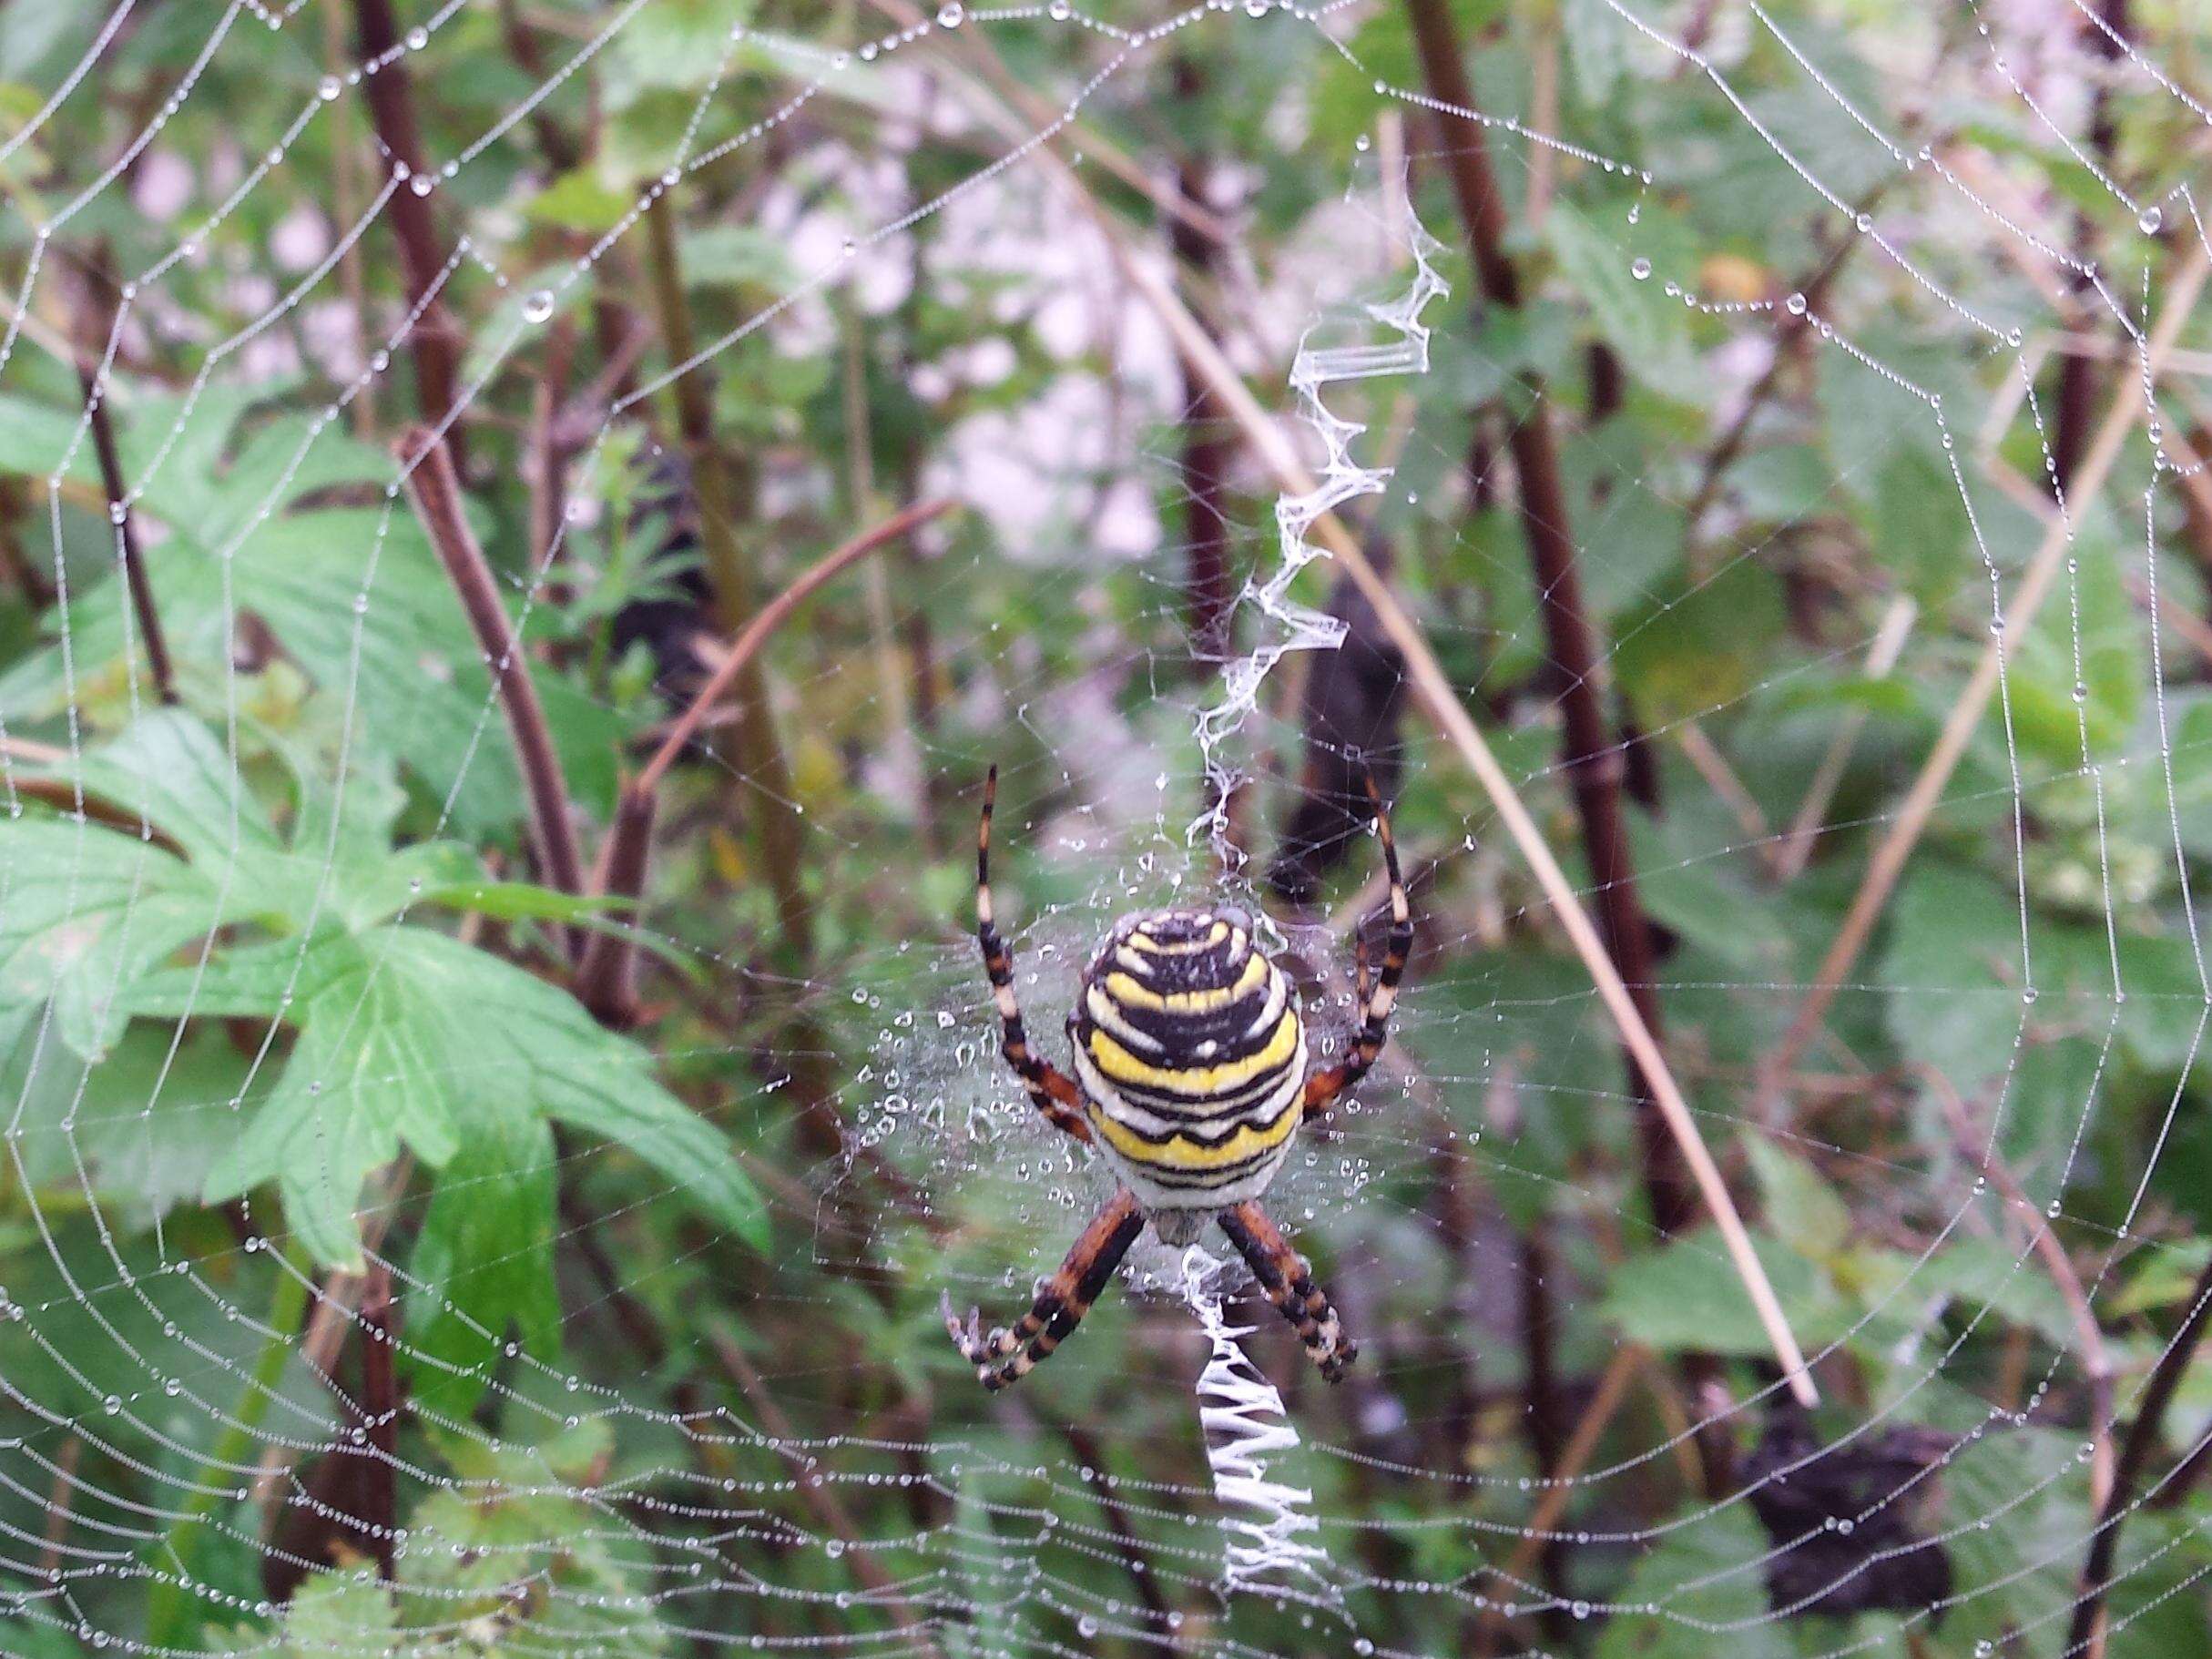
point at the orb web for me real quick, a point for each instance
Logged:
(383, 1271)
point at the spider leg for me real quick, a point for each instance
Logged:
(1325, 1088)
(1051, 1090)
(1282, 1272)
(1008, 1356)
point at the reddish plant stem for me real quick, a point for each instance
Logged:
(432, 341)
(2087, 1635)
(770, 617)
(435, 492)
(379, 1407)
(606, 979)
(606, 975)
(1588, 754)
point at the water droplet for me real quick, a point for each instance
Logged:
(951, 14)
(1640, 269)
(538, 305)
(417, 39)
(1795, 305)
(2149, 220)
(329, 87)
(1059, 11)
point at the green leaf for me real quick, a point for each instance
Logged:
(528, 1516)
(168, 768)
(484, 1258)
(1800, 1207)
(1687, 1296)
(1694, 1593)
(343, 1615)
(409, 1038)
(136, 1131)
(580, 200)
(84, 912)
(404, 656)
(1649, 330)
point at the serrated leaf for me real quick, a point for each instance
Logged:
(84, 912)
(484, 1259)
(1799, 1206)
(1648, 330)
(409, 1038)
(1693, 1592)
(1687, 1296)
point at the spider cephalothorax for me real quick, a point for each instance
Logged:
(1191, 1051)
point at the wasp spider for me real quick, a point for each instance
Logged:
(1191, 1077)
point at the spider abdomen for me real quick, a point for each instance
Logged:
(1192, 1053)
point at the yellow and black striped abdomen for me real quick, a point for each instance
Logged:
(1192, 1052)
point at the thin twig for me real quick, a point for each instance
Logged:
(606, 974)
(1889, 861)
(829, 1510)
(1434, 690)
(378, 1410)
(2087, 1633)
(605, 979)
(767, 620)
(59, 1497)
(1159, 1618)
(2096, 1364)
(1612, 1391)
(759, 752)
(435, 492)
(1721, 778)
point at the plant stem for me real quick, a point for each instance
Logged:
(605, 973)
(94, 376)
(432, 339)
(2087, 1635)
(759, 753)
(168, 1601)
(1207, 454)
(435, 492)
(1589, 755)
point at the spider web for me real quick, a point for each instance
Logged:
(338, 1245)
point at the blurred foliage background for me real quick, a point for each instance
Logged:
(472, 1185)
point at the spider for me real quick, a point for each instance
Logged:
(1190, 1052)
